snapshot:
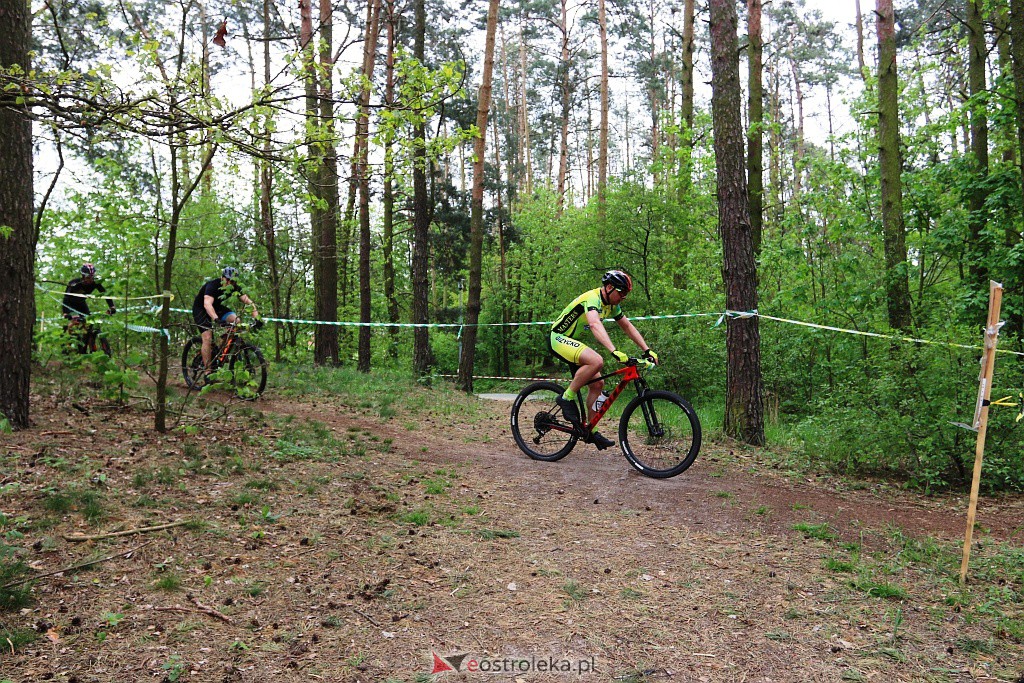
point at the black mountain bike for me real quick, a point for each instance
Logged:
(87, 336)
(242, 358)
(659, 432)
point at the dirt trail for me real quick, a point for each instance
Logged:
(725, 490)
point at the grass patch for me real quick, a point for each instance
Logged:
(575, 591)
(415, 517)
(822, 532)
(840, 566)
(86, 502)
(877, 589)
(12, 569)
(262, 485)
(16, 638)
(491, 534)
(167, 581)
(244, 498)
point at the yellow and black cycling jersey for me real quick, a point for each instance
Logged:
(575, 314)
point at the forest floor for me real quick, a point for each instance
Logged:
(346, 536)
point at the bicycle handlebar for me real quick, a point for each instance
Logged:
(240, 326)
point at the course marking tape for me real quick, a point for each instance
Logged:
(531, 379)
(878, 335)
(721, 318)
(166, 295)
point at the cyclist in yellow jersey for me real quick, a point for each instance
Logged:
(586, 312)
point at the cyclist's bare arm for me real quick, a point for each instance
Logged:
(632, 333)
(208, 305)
(597, 328)
(249, 302)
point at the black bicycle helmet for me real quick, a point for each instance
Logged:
(88, 270)
(618, 279)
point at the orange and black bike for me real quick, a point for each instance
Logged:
(244, 360)
(659, 432)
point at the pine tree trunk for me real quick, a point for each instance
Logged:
(362, 136)
(755, 164)
(325, 347)
(744, 416)
(978, 248)
(565, 86)
(602, 143)
(266, 190)
(421, 356)
(686, 107)
(389, 196)
(503, 362)
(893, 229)
(18, 248)
(1017, 57)
(1016, 27)
(326, 298)
(476, 239)
(860, 42)
(524, 118)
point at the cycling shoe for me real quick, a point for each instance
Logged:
(569, 409)
(602, 442)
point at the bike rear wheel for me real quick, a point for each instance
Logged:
(248, 372)
(660, 434)
(192, 363)
(538, 426)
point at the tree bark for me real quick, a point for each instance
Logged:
(503, 361)
(326, 299)
(978, 249)
(421, 356)
(755, 108)
(897, 289)
(266, 192)
(18, 235)
(744, 416)
(524, 117)
(686, 107)
(325, 337)
(860, 42)
(476, 219)
(602, 144)
(389, 195)
(362, 136)
(1016, 24)
(565, 86)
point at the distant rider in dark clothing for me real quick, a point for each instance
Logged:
(209, 306)
(78, 306)
(75, 307)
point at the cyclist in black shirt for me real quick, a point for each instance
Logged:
(76, 302)
(76, 309)
(209, 306)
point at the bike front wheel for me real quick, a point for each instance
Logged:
(248, 372)
(192, 363)
(660, 434)
(538, 426)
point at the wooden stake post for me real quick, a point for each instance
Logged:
(988, 361)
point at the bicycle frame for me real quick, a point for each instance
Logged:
(628, 374)
(227, 341)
